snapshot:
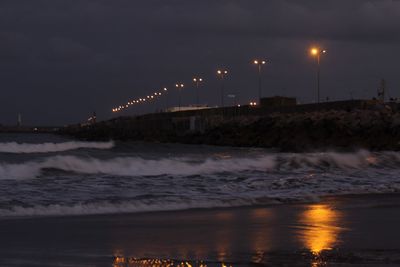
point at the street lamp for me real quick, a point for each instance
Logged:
(259, 64)
(165, 89)
(222, 74)
(197, 81)
(179, 86)
(317, 52)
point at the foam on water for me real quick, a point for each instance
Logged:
(136, 166)
(79, 185)
(111, 208)
(127, 166)
(14, 147)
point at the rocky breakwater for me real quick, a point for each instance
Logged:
(347, 130)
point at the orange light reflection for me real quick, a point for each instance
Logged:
(321, 228)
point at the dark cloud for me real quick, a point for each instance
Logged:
(60, 60)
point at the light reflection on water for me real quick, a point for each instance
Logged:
(133, 262)
(255, 232)
(321, 227)
(320, 231)
(224, 236)
(260, 240)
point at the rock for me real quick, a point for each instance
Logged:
(370, 129)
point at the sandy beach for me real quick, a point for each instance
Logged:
(345, 231)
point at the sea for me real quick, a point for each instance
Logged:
(48, 175)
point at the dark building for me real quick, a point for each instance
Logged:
(278, 101)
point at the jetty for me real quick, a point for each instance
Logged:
(279, 122)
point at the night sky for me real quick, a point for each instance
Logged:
(62, 60)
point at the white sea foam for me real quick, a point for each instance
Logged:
(111, 208)
(128, 166)
(136, 166)
(224, 182)
(13, 147)
(255, 197)
(355, 160)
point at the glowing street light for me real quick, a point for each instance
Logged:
(259, 64)
(165, 89)
(253, 104)
(197, 81)
(222, 74)
(317, 52)
(179, 86)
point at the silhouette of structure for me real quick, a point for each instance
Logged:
(19, 120)
(382, 90)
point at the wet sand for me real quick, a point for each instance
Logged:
(345, 231)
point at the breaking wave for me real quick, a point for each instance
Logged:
(136, 166)
(112, 208)
(134, 184)
(13, 147)
(133, 166)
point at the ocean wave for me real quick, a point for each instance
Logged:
(325, 160)
(127, 166)
(177, 203)
(25, 148)
(136, 166)
(165, 184)
(112, 208)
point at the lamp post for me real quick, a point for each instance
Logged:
(165, 90)
(197, 81)
(259, 64)
(317, 52)
(179, 86)
(222, 74)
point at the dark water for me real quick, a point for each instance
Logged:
(338, 232)
(48, 175)
(49, 185)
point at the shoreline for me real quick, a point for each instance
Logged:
(273, 204)
(347, 231)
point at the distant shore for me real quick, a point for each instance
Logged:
(28, 129)
(348, 128)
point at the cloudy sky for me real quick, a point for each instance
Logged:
(60, 60)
